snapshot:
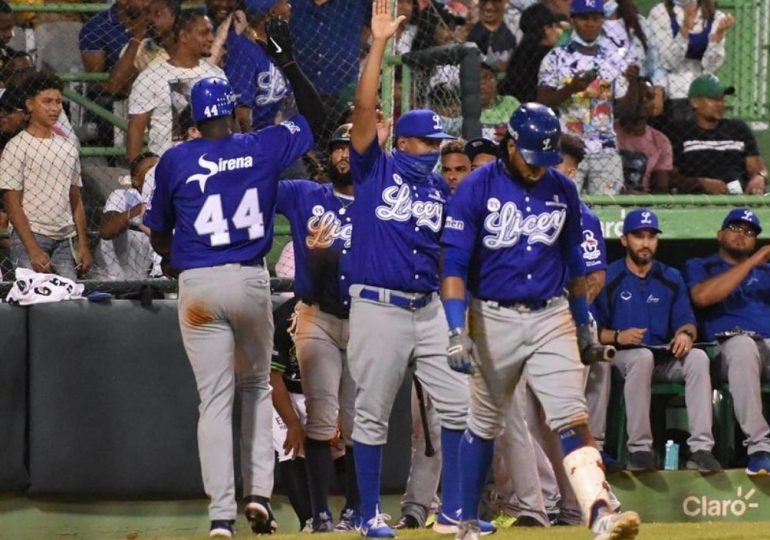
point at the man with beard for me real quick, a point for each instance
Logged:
(645, 311)
(730, 290)
(512, 238)
(162, 91)
(320, 218)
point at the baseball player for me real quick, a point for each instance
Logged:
(218, 195)
(513, 234)
(395, 315)
(481, 151)
(320, 218)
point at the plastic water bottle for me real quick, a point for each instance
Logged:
(671, 463)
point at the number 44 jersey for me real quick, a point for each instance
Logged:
(218, 195)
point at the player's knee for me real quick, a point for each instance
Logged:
(642, 363)
(740, 350)
(697, 361)
(321, 432)
(486, 429)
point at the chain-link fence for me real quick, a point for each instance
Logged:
(471, 61)
(623, 86)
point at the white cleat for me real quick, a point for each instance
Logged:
(616, 526)
(469, 530)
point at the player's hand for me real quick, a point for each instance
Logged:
(279, 40)
(631, 336)
(295, 440)
(761, 256)
(383, 26)
(459, 352)
(591, 351)
(681, 345)
(239, 21)
(84, 258)
(39, 260)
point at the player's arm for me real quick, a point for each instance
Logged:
(84, 259)
(279, 46)
(295, 437)
(717, 288)
(594, 284)
(161, 242)
(383, 26)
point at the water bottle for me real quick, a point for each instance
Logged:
(671, 463)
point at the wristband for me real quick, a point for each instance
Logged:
(688, 333)
(454, 308)
(615, 338)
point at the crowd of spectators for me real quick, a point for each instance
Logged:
(641, 92)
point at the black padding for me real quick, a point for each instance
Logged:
(13, 398)
(113, 402)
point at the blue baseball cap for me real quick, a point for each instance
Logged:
(258, 7)
(421, 123)
(579, 7)
(642, 218)
(742, 215)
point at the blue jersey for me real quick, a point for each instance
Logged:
(745, 308)
(256, 80)
(398, 225)
(518, 239)
(592, 249)
(321, 228)
(219, 195)
(659, 302)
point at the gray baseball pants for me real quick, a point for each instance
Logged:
(226, 320)
(745, 363)
(639, 370)
(539, 344)
(321, 340)
(516, 477)
(384, 341)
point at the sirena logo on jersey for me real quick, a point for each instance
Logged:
(324, 228)
(400, 207)
(506, 224)
(221, 165)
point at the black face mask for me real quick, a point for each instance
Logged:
(340, 179)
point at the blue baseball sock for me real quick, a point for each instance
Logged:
(476, 456)
(570, 440)
(450, 470)
(368, 464)
(318, 459)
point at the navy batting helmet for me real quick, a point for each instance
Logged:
(211, 97)
(341, 134)
(536, 131)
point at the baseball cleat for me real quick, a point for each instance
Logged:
(616, 526)
(447, 525)
(759, 464)
(222, 528)
(260, 515)
(408, 521)
(468, 530)
(323, 523)
(350, 520)
(377, 527)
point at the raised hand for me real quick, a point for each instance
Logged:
(383, 26)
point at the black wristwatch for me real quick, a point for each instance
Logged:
(688, 333)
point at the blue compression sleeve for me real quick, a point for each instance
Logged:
(579, 308)
(455, 312)
(455, 263)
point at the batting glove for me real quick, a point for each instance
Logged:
(459, 351)
(591, 351)
(279, 41)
